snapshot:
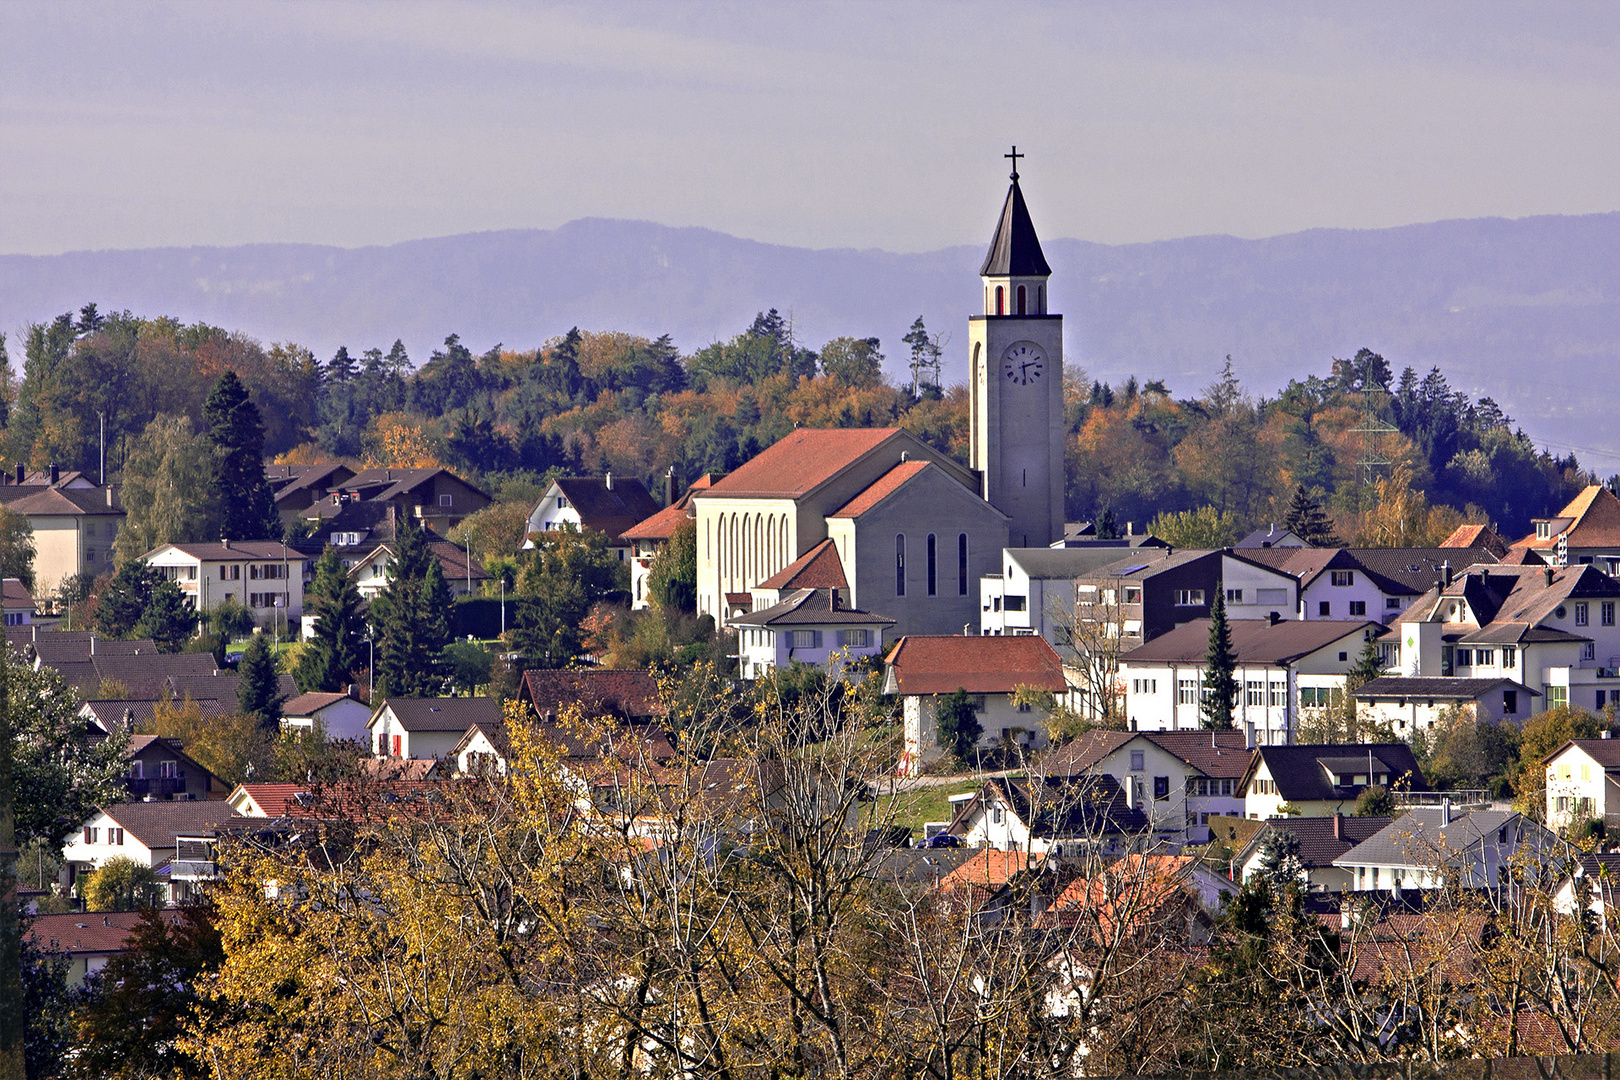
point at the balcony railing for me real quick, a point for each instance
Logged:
(157, 786)
(192, 870)
(1459, 798)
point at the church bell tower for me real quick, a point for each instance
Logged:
(1016, 381)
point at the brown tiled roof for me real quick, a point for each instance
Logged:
(886, 485)
(818, 568)
(82, 933)
(1594, 521)
(1214, 753)
(812, 607)
(927, 664)
(1254, 641)
(988, 868)
(17, 594)
(309, 704)
(156, 824)
(54, 502)
(1606, 752)
(604, 509)
(662, 525)
(238, 550)
(803, 460)
(630, 694)
(1476, 536)
(273, 799)
(413, 770)
(442, 714)
(1319, 843)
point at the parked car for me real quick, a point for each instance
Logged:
(942, 840)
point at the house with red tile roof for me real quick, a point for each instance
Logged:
(651, 536)
(1587, 530)
(922, 669)
(89, 939)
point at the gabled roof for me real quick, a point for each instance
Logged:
(143, 675)
(234, 551)
(289, 480)
(604, 508)
(988, 868)
(662, 525)
(1440, 688)
(1271, 537)
(1606, 752)
(16, 593)
(1411, 571)
(1064, 563)
(1015, 250)
(65, 502)
(454, 563)
(1417, 838)
(598, 691)
(1254, 641)
(811, 607)
(1219, 754)
(1476, 536)
(942, 664)
(1061, 807)
(1591, 520)
(272, 800)
(1143, 563)
(392, 483)
(312, 703)
(441, 714)
(66, 646)
(803, 460)
(818, 568)
(1321, 839)
(886, 485)
(1508, 603)
(1304, 563)
(156, 824)
(89, 933)
(1301, 772)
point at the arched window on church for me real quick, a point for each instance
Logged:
(1000, 300)
(731, 556)
(961, 565)
(900, 564)
(1040, 299)
(1021, 300)
(933, 566)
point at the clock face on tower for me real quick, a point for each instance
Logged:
(1023, 363)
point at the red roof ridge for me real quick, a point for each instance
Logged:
(886, 485)
(818, 568)
(803, 460)
(942, 664)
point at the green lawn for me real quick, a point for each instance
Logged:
(913, 808)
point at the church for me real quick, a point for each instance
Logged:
(913, 529)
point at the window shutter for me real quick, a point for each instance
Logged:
(815, 639)
(841, 639)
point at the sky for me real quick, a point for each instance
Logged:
(821, 125)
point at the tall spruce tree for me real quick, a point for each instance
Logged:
(411, 618)
(336, 646)
(1307, 520)
(259, 691)
(247, 507)
(1220, 670)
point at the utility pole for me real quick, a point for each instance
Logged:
(12, 1020)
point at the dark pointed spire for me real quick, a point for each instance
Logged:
(1015, 251)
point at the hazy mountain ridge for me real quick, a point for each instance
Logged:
(1527, 311)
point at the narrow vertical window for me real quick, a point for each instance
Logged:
(961, 565)
(932, 564)
(1021, 300)
(900, 565)
(1040, 299)
(1000, 301)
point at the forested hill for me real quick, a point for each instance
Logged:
(1525, 311)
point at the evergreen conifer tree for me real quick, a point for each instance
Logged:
(247, 508)
(411, 618)
(1220, 670)
(956, 723)
(1307, 520)
(259, 691)
(168, 619)
(336, 648)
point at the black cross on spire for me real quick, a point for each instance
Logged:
(1015, 155)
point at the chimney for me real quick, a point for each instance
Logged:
(610, 481)
(225, 542)
(1445, 812)
(1338, 826)
(1547, 573)
(1445, 574)
(112, 501)
(21, 474)
(832, 598)
(56, 474)
(92, 643)
(1274, 618)
(1130, 528)
(669, 487)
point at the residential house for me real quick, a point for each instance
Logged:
(1325, 779)
(1321, 840)
(263, 800)
(1428, 848)
(436, 497)
(1583, 783)
(1271, 537)
(1056, 815)
(160, 770)
(18, 602)
(1178, 779)
(1410, 703)
(1477, 536)
(74, 529)
(373, 571)
(1587, 531)
(341, 716)
(910, 526)
(147, 681)
(1282, 668)
(1172, 897)
(809, 626)
(87, 940)
(1551, 628)
(297, 488)
(923, 669)
(1033, 592)
(1156, 590)
(609, 505)
(142, 675)
(1595, 877)
(129, 714)
(265, 576)
(647, 539)
(1364, 583)
(597, 692)
(428, 727)
(144, 832)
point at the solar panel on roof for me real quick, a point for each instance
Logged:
(1129, 570)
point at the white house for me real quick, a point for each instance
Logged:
(341, 716)
(1321, 840)
(1323, 780)
(922, 670)
(374, 570)
(1583, 782)
(1410, 703)
(1551, 628)
(265, 576)
(812, 626)
(1045, 815)
(145, 832)
(609, 505)
(1427, 848)
(428, 727)
(1033, 592)
(1283, 666)
(1178, 779)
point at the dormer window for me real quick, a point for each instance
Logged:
(1543, 530)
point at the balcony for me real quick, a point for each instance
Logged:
(158, 788)
(192, 870)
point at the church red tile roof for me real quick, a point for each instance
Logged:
(818, 568)
(803, 460)
(891, 482)
(980, 665)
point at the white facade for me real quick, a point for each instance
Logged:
(1176, 798)
(1579, 788)
(1004, 722)
(266, 578)
(390, 739)
(345, 718)
(1347, 594)
(1257, 592)
(554, 512)
(763, 649)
